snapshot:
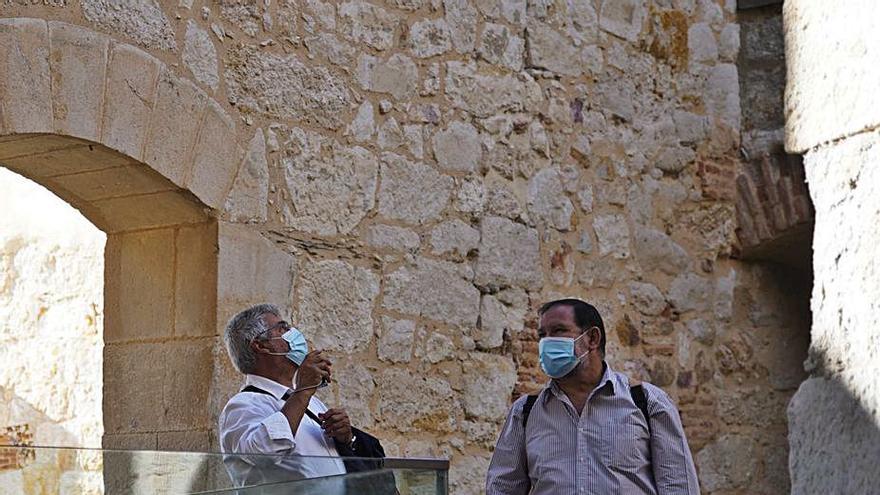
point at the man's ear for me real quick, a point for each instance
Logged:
(259, 347)
(594, 337)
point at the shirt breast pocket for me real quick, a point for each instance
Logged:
(629, 445)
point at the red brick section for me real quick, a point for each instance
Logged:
(718, 178)
(771, 200)
(18, 435)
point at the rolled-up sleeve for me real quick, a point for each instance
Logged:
(508, 470)
(674, 471)
(255, 427)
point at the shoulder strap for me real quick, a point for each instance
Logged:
(637, 391)
(527, 409)
(251, 388)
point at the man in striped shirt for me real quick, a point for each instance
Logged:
(586, 432)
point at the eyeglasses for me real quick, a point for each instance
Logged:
(283, 325)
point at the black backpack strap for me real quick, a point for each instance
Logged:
(637, 391)
(251, 388)
(527, 409)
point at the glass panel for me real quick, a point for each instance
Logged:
(45, 470)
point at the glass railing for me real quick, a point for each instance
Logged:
(73, 471)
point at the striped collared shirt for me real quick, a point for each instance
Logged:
(607, 449)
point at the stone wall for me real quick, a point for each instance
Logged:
(437, 169)
(832, 117)
(51, 336)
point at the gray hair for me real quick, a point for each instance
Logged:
(241, 330)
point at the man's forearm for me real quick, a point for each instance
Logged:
(295, 408)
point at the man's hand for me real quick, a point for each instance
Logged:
(313, 369)
(335, 423)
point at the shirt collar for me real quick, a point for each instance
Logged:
(607, 379)
(261, 382)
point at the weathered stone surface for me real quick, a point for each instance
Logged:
(363, 22)
(439, 348)
(499, 45)
(509, 254)
(657, 251)
(140, 20)
(336, 304)
(247, 201)
(462, 19)
(549, 49)
(429, 38)
(623, 18)
(722, 95)
(454, 236)
(727, 464)
(327, 45)
(397, 76)
(701, 43)
(468, 474)
(690, 127)
(612, 231)
(130, 93)
(396, 341)
(356, 386)
(457, 147)
(200, 56)
(391, 237)
(414, 402)
(500, 313)
(484, 94)
(702, 331)
(284, 87)
(412, 192)
(331, 187)
(433, 289)
(728, 43)
(689, 292)
(489, 384)
(363, 126)
(547, 202)
(647, 298)
(471, 196)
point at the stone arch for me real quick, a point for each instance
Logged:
(149, 158)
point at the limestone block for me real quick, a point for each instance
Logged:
(132, 77)
(396, 341)
(247, 201)
(69, 158)
(129, 441)
(623, 18)
(415, 402)
(454, 236)
(438, 290)
(457, 147)
(490, 383)
(484, 95)
(195, 286)
(363, 126)
(78, 62)
(438, 348)
(429, 38)
(140, 20)
(24, 76)
(702, 46)
(184, 441)
(549, 49)
(509, 255)
(657, 251)
(411, 192)
(362, 22)
(217, 158)
(331, 187)
(251, 270)
(728, 43)
(200, 56)
(397, 76)
(138, 409)
(113, 182)
(702, 331)
(336, 305)
(187, 367)
(729, 463)
(393, 238)
(356, 387)
(500, 313)
(462, 19)
(391, 136)
(612, 232)
(468, 474)
(471, 196)
(512, 11)
(547, 202)
(139, 281)
(284, 87)
(721, 95)
(327, 45)
(647, 298)
(689, 292)
(500, 46)
(832, 74)
(157, 210)
(179, 103)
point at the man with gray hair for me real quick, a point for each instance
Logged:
(276, 419)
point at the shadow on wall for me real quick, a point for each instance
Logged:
(827, 416)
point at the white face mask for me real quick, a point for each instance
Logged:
(557, 355)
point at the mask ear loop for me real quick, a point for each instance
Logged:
(588, 350)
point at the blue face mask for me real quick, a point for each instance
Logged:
(297, 343)
(557, 355)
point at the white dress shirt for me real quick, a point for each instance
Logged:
(252, 424)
